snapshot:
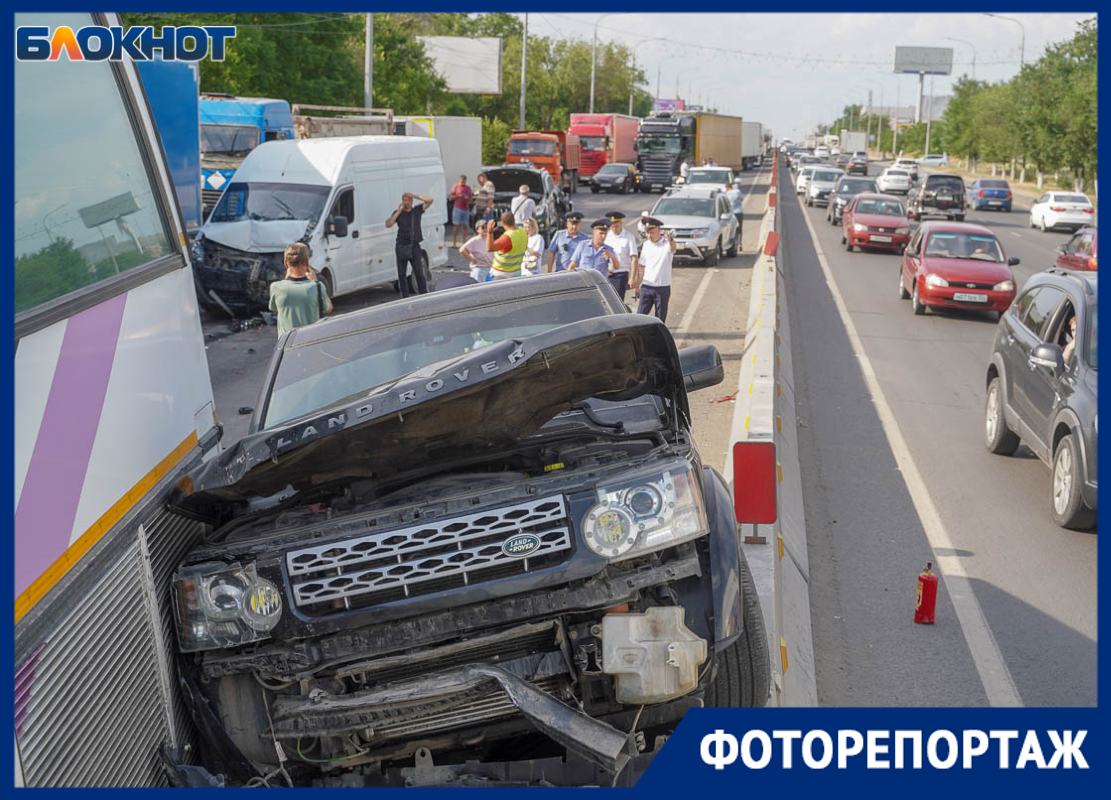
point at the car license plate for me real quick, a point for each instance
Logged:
(881, 238)
(968, 297)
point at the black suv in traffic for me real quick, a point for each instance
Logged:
(1041, 387)
(468, 539)
(846, 188)
(937, 195)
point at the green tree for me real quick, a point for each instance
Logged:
(50, 272)
(495, 136)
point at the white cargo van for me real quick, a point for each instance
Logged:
(288, 191)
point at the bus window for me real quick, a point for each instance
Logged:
(85, 206)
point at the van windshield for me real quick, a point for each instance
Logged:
(270, 201)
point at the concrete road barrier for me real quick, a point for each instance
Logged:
(765, 411)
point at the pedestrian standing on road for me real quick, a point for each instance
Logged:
(508, 249)
(685, 169)
(474, 250)
(300, 299)
(484, 198)
(652, 281)
(460, 197)
(533, 248)
(624, 244)
(595, 253)
(407, 217)
(523, 206)
(565, 242)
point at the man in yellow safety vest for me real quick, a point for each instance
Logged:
(508, 249)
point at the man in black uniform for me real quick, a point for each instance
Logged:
(407, 217)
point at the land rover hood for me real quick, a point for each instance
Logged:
(481, 402)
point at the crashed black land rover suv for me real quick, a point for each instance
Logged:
(469, 539)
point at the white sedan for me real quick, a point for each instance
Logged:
(934, 160)
(803, 180)
(1062, 210)
(821, 151)
(893, 180)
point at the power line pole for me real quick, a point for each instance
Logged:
(368, 74)
(524, 51)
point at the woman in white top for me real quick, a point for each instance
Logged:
(474, 250)
(534, 247)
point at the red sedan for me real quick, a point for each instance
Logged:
(956, 265)
(875, 220)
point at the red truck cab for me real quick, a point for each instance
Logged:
(556, 152)
(605, 138)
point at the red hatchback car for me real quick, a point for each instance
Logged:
(1079, 252)
(956, 265)
(875, 220)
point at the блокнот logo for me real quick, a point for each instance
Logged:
(100, 43)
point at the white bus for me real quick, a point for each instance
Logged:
(113, 403)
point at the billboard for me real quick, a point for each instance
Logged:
(925, 60)
(670, 105)
(470, 66)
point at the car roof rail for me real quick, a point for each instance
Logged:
(1083, 279)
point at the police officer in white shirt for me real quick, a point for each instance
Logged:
(652, 279)
(624, 244)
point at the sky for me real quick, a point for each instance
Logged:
(794, 71)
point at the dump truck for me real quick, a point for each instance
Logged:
(341, 121)
(555, 151)
(605, 139)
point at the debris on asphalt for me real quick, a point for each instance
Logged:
(246, 409)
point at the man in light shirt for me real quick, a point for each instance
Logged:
(624, 245)
(652, 280)
(523, 206)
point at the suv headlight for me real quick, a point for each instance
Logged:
(698, 233)
(220, 605)
(936, 280)
(646, 511)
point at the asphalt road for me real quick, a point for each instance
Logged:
(709, 305)
(1035, 583)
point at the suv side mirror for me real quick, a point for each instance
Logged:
(1014, 261)
(702, 367)
(337, 226)
(1049, 355)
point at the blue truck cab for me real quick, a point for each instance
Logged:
(231, 127)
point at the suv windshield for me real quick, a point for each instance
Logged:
(951, 244)
(270, 201)
(536, 147)
(708, 176)
(324, 373)
(826, 177)
(684, 206)
(228, 140)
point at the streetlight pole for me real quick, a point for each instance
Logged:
(632, 89)
(594, 57)
(970, 45)
(1022, 44)
(524, 62)
(879, 134)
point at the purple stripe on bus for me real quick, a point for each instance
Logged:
(48, 505)
(24, 680)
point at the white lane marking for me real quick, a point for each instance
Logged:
(692, 309)
(1016, 233)
(996, 678)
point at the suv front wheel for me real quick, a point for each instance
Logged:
(1069, 508)
(998, 437)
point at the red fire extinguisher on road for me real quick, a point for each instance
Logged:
(927, 597)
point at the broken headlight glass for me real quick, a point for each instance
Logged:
(220, 605)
